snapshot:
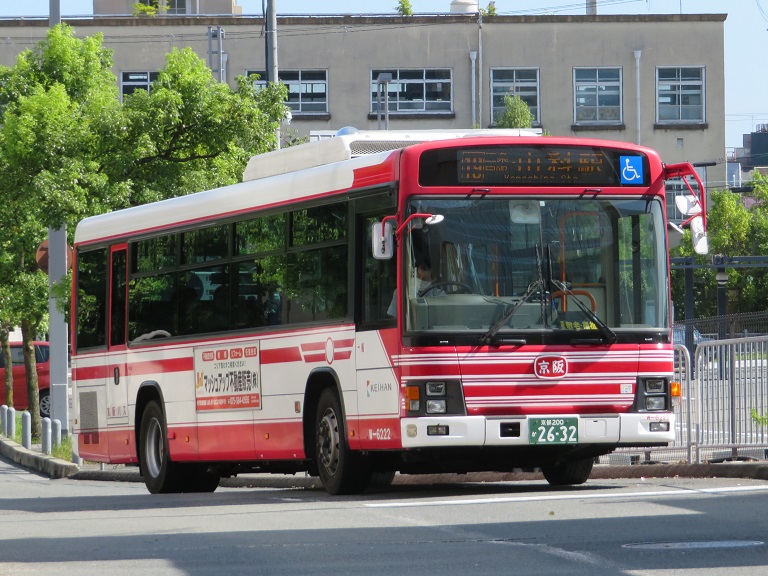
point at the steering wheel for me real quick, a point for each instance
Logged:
(590, 297)
(465, 288)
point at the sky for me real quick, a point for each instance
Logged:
(746, 34)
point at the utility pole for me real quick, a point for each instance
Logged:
(270, 22)
(271, 37)
(57, 270)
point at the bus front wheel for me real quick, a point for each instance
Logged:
(160, 474)
(568, 473)
(342, 470)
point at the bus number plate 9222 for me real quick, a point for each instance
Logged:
(553, 431)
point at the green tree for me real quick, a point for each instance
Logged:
(516, 114)
(490, 11)
(404, 8)
(69, 148)
(733, 230)
(51, 101)
(191, 132)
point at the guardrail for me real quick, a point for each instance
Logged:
(724, 388)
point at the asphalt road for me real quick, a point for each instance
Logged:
(631, 526)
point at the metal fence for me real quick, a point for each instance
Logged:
(729, 326)
(725, 392)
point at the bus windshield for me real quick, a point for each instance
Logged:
(506, 265)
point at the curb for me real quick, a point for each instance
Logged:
(57, 468)
(35, 461)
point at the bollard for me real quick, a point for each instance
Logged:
(11, 423)
(4, 420)
(46, 439)
(26, 430)
(56, 433)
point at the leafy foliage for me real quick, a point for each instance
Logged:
(69, 149)
(404, 8)
(734, 230)
(516, 114)
(490, 11)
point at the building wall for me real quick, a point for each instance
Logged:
(350, 47)
(113, 7)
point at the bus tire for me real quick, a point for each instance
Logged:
(161, 475)
(341, 470)
(382, 479)
(197, 478)
(568, 473)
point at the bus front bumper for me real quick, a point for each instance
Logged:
(629, 429)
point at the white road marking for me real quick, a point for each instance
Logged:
(574, 496)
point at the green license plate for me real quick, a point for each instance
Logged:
(553, 431)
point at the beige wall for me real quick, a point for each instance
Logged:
(350, 47)
(106, 7)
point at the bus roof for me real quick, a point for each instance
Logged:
(220, 203)
(354, 144)
(292, 174)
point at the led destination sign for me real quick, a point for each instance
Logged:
(533, 166)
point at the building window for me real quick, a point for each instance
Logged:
(415, 91)
(523, 82)
(597, 96)
(307, 89)
(177, 6)
(680, 95)
(132, 81)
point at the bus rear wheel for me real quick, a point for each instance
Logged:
(342, 470)
(568, 473)
(197, 478)
(161, 475)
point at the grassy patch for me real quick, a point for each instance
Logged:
(63, 451)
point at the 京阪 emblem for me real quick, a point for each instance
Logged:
(550, 367)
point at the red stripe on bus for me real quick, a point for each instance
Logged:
(184, 364)
(281, 355)
(311, 346)
(155, 366)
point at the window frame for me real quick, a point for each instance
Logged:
(138, 85)
(402, 79)
(677, 86)
(515, 86)
(176, 7)
(598, 85)
(300, 106)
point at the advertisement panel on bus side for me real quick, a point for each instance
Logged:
(227, 377)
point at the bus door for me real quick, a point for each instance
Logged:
(375, 340)
(121, 436)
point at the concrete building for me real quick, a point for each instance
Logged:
(653, 79)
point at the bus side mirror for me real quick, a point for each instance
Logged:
(382, 240)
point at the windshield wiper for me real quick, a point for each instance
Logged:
(487, 338)
(608, 334)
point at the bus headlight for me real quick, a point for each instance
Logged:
(654, 385)
(655, 403)
(436, 407)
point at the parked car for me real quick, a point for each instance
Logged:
(20, 397)
(678, 337)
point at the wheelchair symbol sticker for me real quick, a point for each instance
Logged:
(631, 169)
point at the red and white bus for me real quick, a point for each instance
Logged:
(378, 303)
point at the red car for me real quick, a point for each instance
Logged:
(20, 398)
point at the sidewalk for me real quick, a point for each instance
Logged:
(52, 467)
